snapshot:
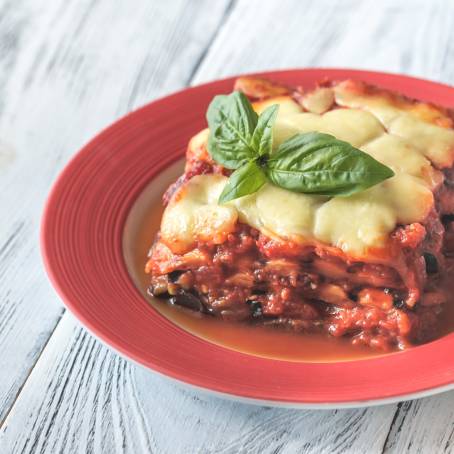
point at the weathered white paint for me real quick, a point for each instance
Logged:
(414, 37)
(425, 425)
(69, 68)
(96, 402)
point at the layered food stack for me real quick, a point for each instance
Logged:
(368, 265)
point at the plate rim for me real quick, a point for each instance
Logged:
(269, 403)
(87, 325)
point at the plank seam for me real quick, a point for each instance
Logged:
(227, 12)
(391, 427)
(224, 19)
(3, 421)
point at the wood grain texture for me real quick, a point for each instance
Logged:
(111, 397)
(71, 71)
(424, 425)
(408, 36)
(67, 69)
(96, 402)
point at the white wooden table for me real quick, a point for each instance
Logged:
(69, 68)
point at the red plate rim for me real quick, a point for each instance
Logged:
(81, 244)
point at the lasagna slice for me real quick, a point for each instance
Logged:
(369, 267)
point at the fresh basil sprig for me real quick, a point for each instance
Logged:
(312, 163)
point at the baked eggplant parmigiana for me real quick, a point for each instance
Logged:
(368, 266)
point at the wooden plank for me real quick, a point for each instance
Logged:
(407, 36)
(425, 425)
(46, 430)
(73, 356)
(68, 69)
(86, 399)
(95, 402)
(415, 38)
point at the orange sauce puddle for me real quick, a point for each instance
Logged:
(141, 228)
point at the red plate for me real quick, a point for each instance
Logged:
(81, 242)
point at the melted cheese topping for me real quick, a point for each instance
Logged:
(319, 100)
(193, 215)
(352, 125)
(414, 122)
(359, 224)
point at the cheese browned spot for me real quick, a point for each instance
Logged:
(417, 123)
(406, 140)
(318, 101)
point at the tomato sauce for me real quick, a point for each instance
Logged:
(141, 228)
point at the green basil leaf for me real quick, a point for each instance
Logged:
(317, 163)
(262, 139)
(232, 121)
(248, 179)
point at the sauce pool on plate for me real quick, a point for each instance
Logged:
(140, 229)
